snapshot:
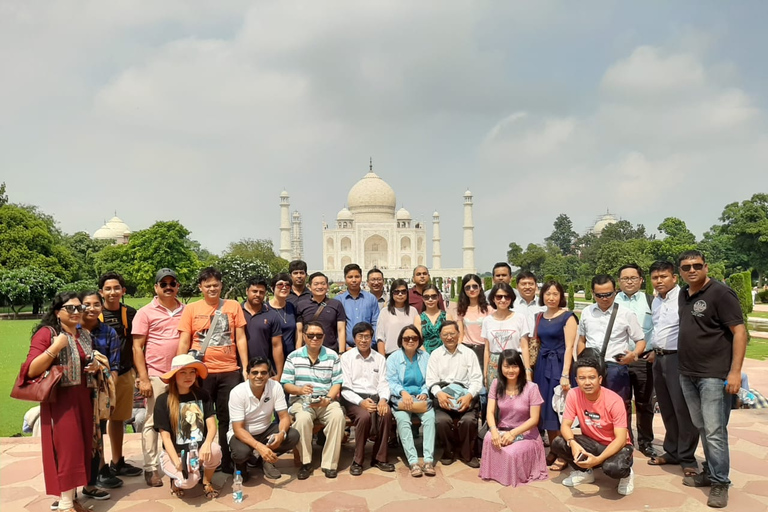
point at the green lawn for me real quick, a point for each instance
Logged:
(14, 344)
(759, 314)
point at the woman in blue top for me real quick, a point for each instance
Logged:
(556, 328)
(406, 373)
(281, 288)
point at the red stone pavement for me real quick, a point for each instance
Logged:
(456, 488)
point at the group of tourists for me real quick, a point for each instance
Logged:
(230, 387)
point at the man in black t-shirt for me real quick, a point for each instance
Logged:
(711, 346)
(120, 317)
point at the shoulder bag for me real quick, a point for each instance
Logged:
(40, 389)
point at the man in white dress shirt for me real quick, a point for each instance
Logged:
(626, 329)
(681, 437)
(365, 395)
(453, 363)
(527, 302)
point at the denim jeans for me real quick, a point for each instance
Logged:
(403, 419)
(710, 407)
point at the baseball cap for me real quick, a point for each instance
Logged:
(165, 272)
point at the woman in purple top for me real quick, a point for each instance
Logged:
(513, 453)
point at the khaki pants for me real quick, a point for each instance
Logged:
(333, 419)
(150, 439)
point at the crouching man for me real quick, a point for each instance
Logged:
(603, 422)
(251, 429)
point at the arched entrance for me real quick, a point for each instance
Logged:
(376, 252)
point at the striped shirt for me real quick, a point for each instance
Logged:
(322, 376)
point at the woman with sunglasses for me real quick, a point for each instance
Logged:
(67, 423)
(407, 376)
(394, 317)
(471, 311)
(281, 288)
(432, 319)
(503, 330)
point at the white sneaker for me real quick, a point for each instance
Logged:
(627, 484)
(579, 477)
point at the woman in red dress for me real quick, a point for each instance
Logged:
(67, 423)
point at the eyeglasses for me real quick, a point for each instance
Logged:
(166, 284)
(399, 292)
(72, 309)
(694, 266)
(315, 335)
(91, 306)
(364, 337)
(450, 335)
(497, 298)
(282, 284)
(472, 287)
(430, 297)
(629, 279)
(604, 295)
(410, 339)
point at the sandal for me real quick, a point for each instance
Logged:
(429, 469)
(175, 490)
(209, 491)
(690, 472)
(551, 458)
(558, 465)
(658, 461)
(416, 471)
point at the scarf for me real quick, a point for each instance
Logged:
(70, 358)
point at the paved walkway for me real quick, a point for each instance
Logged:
(455, 489)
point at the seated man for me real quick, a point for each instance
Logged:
(312, 375)
(603, 440)
(456, 365)
(252, 405)
(365, 395)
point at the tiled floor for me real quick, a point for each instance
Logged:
(456, 488)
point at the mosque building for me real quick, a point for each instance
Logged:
(114, 229)
(602, 222)
(370, 231)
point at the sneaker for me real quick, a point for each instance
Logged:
(718, 496)
(96, 494)
(122, 468)
(270, 471)
(106, 480)
(579, 477)
(55, 505)
(700, 480)
(627, 484)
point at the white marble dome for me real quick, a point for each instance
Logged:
(114, 229)
(372, 198)
(344, 214)
(604, 222)
(403, 214)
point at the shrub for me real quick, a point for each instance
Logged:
(487, 282)
(741, 283)
(571, 300)
(588, 293)
(762, 296)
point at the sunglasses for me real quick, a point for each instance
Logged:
(256, 373)
(315, 336)
(164, 284)
(497, 298)
(694, 266)
(410, 339)
(72, 309)
(430, 297)
(399, 292)
(604, 295)
(472, 287)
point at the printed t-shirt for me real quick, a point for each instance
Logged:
(597, 419)
(504, 334)
(194, 409)
(221, 354)
(161, 327)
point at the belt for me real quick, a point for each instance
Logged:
(662, 352)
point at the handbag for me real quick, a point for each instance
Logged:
(534, 345)
(40, 389)
(200, 354)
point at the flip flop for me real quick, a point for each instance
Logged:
(658, 461)
(558, 465)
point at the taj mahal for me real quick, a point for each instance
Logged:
(370, 232)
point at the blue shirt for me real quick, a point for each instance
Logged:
(259, 331)
(107, 342)
(397, 364)
(638, 304)
(364, 308)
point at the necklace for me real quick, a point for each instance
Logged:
(281, 312)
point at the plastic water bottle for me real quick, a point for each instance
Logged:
(194, 456)
(237, 487)
(746, 396)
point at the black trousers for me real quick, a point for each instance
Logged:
(459, 438)
(681, 437)
(641, 382)
(241, 452)
(616, 466)
(218, 386)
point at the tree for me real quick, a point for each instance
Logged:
(615, 253)
(677, 240)
(3, 195)
(531, 259)
(258, 250)
(563, 234)
(514, 252)
(236, 271)
(571, 297)
(115, 258)
(164, 245)
(746, 224)
(622, 231)
(84, 249)
(25, 285)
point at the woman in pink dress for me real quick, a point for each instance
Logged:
(470, 312)
(513, 452)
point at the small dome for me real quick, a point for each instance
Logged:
(436, 215)
(467, 193)
(104, 233)
(344, 214)
(403, 214)
(373, 197)
(284, 193)
(118, 226)
(603, 222)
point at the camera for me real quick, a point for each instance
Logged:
(196, 355)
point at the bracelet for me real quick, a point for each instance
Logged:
(50, 354)
(529, 370)
(563, 377)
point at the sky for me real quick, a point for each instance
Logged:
(203, 112)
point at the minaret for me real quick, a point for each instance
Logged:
(436, 263)
(297, 237)
(285, 226)
(469, 234)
